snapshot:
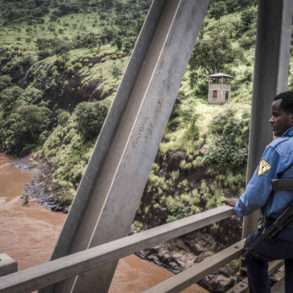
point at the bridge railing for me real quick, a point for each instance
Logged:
(196, 272)
(55, 271)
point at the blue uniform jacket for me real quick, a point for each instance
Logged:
(276, 162)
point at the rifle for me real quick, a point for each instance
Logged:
(280, 223)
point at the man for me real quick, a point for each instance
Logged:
(276, 162)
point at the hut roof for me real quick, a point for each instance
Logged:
(220, 75)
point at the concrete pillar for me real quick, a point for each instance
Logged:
(270, 78)
(111, 189)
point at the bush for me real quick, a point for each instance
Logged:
(21, 130)
(214, 51)
(63, 118)
(67, 154)
(65, 9)
(90, 117)
(51, 46)
(5, 81)
(229, 147)
(86, 40)
(8, 98)
(218, 8)
(15, 62)
(32, 95)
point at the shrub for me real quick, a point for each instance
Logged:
(90, 117)
(229, 147)
(86, 40)
(5, 81)
(32, 95)
(21, 130)
(51, 46)
(63, 118)
(67, 154)
(65, 9)
(9, 96)
(15, 62)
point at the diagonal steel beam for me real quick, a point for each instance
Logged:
(111, 189)
(270, 77)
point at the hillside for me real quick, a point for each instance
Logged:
(60, 65)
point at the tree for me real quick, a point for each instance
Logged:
(20, 131)
(213, 51)
(90, 117)
(5, 81)
(9, 96)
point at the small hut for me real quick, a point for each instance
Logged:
(219, 88)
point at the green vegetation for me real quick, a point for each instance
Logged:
(60, 65)
(195, 173)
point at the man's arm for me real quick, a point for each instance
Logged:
(259, 187)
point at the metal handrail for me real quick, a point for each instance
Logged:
(66, 267)
(196, 272)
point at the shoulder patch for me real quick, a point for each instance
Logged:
(263, 167)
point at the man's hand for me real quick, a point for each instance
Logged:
(230, 201)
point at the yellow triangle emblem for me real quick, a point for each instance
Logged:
(263, 168)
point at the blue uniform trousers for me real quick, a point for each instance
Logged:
(257, 263)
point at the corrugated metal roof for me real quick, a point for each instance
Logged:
(220, 75)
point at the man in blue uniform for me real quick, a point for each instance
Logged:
(276, 162)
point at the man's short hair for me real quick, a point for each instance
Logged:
(286, 101)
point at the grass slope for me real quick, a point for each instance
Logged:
(61, 63)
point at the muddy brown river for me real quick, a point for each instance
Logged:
(29, 232)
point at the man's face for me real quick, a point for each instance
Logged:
(280, 120)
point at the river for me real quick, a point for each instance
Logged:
(29, 232)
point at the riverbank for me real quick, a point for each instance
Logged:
(41, 189)
(179, 254)
(29, 232)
